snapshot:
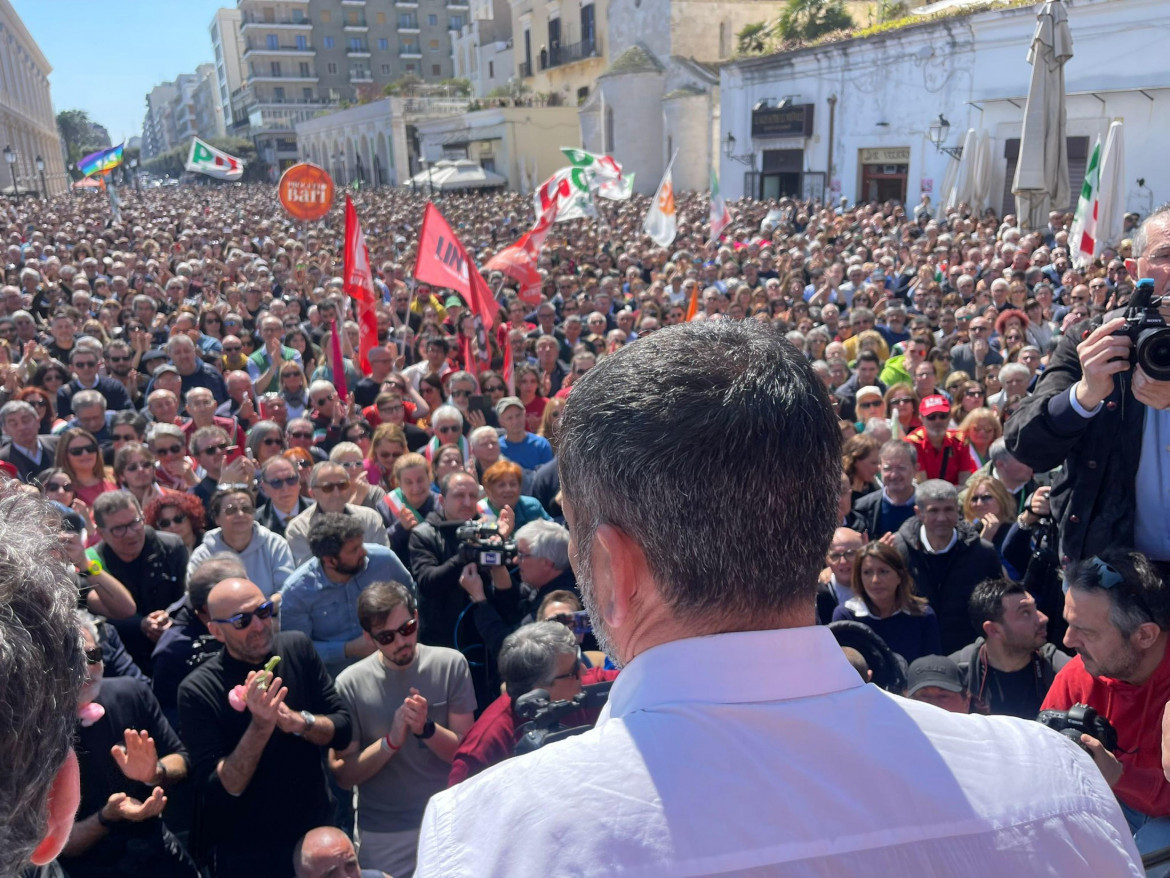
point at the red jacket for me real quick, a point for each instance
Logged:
(1136, 713)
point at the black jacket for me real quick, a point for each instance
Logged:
(947, 580)
(25, 468)
(116, 396)
(1093, 497)
(847, 393)
(436, 562)
(972, 662)
(866, 514)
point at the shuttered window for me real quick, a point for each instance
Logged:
(1078, 158)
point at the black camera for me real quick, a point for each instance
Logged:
(483, 544)
(543, 717)
(1081, 719)
(1149, 332)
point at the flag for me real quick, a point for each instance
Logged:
(569, 189)
(603, 174)
(720, 215)
(443, 261)
(693, 305)
(1082, 237)
(358, 283)
(602, 165)
(101, 161)
(337, 362)
(505, 344)
(206, 159)
(518, 260)
(660, 223)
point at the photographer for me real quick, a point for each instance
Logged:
(1107, 422)
(1118, 612)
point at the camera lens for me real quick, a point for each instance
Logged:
(1153, 353)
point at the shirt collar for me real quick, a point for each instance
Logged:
(926, 547)
(723, 669)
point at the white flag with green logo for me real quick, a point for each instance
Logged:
(206, 159)
(602, 173)
(1082, 237)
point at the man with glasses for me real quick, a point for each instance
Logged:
(329, 485)
(259, 771)
(282, 488)
(835, 586)
(120, 366)
(26, 450)
(411, 705)
(1118, 611)
(382, 364)
(86, 362)
(942, 453)
(321, 596)
(151, 564)
(264, 364)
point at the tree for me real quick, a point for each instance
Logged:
(806, 20)
(173, 162)
(80, 136)
(750, 40)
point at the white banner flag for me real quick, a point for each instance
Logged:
(660, 223)
(206, 159)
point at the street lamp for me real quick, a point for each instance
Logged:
(41, 171)
(937, 134)
(134, 172)
(747, 158)
(10, 157)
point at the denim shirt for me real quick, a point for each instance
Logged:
(327, 611)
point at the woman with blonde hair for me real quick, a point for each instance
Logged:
(988, 502)
(979, 429)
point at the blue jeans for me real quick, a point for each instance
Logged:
(1149, 833)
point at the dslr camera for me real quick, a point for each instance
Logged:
(1081, 719)
(483, 544)
(1149, 332)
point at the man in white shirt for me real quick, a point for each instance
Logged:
(738, 739)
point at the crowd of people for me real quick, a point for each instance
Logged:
(277, 604)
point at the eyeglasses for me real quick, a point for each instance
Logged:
(136, 466)
(177, 518)
(460, 393)
(93, 655)
(286, 482)
(304, 464)
(902, 400)
(120, 530)
(973, 394)
(352, 464)
(272, 440)
(58, 487)
(386, 637)
(87, 364)
(221, 448)
(870, 404)
(300, 435)
(574, 674)
(242, 509)
(331, 487)
(936, 417)
(37, 402)
(169, 451)
(450, 428)
(324, 400)
(240, 621)
(79, 450)
(113, 359)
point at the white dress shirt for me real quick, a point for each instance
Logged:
(763, 753)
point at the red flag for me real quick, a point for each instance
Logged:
(358, 282)
(337, 362)
(518, 260)
(505, 342)
(465, 353)
(443, 261)
(693, 305)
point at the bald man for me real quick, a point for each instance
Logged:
(327, 852)
(264, 762)
(836, 580)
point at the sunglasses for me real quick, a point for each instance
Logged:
(331, 487)
(300, 435)
(448, 429)
(902, 400)
(240, 621)
(37, 402)
(58, 487)
(574, 674)
(88, 364)
(937, 417)
(114, 359)
(981, 498)
(169, 451)
(233, 509)
(871, 404)
(842, 554)
(135, 467)
(286, 482)
(304, 464)
(322, 401)
(177, 518)
(385, 638)
(93, 655)
(79, 450)
(215, 449)
(272, 440)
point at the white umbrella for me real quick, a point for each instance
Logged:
(948, 183)
(963, 186)
(1041, 182)
(1111, 204)
(981, 181)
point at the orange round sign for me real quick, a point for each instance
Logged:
(306, 191)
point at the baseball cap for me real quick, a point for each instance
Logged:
(871, 390)
(453, 302)
(507, 401)
(934, 670)
(154, 354)
(166, 367)
(933, 404)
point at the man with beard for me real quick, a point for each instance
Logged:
(321, 596)
(411, 705)
(771, 762)
(1118, 610)
(259, 774)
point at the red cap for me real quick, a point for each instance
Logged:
(932, 404)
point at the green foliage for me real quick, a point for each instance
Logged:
(891, 10)
(404, 86)
(80, 138)
(459, 87)
(805, 20)
(172, 163)
(750, 40)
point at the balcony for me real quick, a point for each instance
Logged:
(258, 23)
(269, 76)
(458, 7)
(408, 24)
(353, 27)
(353, 2)
(525, 69)
(360, 51)
(560, 55)
(360, 76)
(265, 49)
(406, 4)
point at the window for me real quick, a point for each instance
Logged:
(383, 43)
(278, 94)
(491, 69)
(385, 69)
(326, 16)
(588, 25)
(410, 68)
(355, 45)
(455, 22)
(304, 68)
(380, 18)
(274, 68)
(436, 70)
(327, 42)
(331, 67)
(271, 40)
(298, 16)
(408, 47)
(433, 45)
(351, 17)
(307, 94)
(432, 20)
(302, 41)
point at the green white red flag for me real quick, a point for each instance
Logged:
(206, 159)
(720, 215)
(1082, 237)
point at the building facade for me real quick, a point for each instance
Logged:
(851, 119)
(483, 49)
(28, 126)
(559, 46)
(227, 46)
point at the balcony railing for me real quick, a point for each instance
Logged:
(358, 22)
(525, 69)
(560, 55)
(257, 46)
(259, 21)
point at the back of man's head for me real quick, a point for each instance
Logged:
(208, 573)
(528, 656)
(713, 447)
(41, 672)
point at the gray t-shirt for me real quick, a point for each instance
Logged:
(393, 800)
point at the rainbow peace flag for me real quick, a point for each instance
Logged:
(101, 161)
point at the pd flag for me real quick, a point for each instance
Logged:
(569, 189)
(603, 175)
(206, 159)
(660, 223)
(1082, 236)
(358, 282)
(443, 261)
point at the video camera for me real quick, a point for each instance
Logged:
(544, 717)
(1081, 719)
(482, 543)
(1149, 332)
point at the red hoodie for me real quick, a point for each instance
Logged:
(1136, 713)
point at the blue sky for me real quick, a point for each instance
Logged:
(105, 58)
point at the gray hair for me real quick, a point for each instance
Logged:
(16, 407)
(638, 440)
(42, 668)
(528, 657)
(344, 448)
(323, 467)
(878, 428)
(259, 432)
(208, 573)
(479, 433)
(1017, 370)
(548, 540)
(1142, 236)
(110, 502)
(321, 384)
(935, 491)
(88, 622)
(178, 341)
(85, 399)
(158, 430)
(899, 446)
(1140, 597)
(998, 452)
(448, 414)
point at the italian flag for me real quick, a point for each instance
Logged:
(206, 159)
(720, 215)
(1082, 237)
